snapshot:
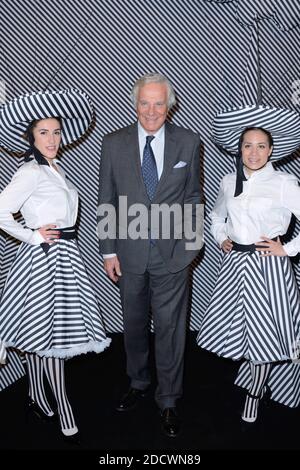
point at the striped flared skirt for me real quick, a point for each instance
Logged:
(48, 305)
(254, 312)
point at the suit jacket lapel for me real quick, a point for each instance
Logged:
(170, 157)
(133, 150)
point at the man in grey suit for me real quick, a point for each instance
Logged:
(149, 224)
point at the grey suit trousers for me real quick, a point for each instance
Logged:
(167, 295)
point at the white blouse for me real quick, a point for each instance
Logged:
(43, 196)
(265, 207)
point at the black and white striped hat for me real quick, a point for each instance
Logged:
(284, 125)
(74, 107)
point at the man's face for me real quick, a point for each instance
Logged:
(152, 106)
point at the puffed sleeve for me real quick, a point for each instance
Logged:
(290, 198)
(23, 184)
(218, 216)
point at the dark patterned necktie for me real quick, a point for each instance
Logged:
(149, 169)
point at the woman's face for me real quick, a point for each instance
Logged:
(255, 150)
(47, 137)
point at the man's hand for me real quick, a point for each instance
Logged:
(112, 268)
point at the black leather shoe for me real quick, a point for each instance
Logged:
(33, 407)
(74, 439)
(130, 399)
(170, 422)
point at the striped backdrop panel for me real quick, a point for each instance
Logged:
(12, 371)
(102, 47)
(284, 382)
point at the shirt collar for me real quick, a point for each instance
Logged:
(264, 172)
(143, 134)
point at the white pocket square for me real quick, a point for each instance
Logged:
(180, 165)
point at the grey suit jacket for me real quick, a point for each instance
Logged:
(121, 175)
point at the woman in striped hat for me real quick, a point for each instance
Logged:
(254, 312)
(48, 308)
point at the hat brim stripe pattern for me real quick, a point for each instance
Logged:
(284, 125)
(74, 107)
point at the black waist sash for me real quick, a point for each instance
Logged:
(66, 233)
(250, 248)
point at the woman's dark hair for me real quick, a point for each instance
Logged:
(241, 139)
(32, 125)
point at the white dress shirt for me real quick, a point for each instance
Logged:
(265, 207)
(157, 144)
(43, 196)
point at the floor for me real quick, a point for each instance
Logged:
(210, 412)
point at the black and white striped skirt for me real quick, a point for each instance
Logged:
(254, 312)
(48, 305)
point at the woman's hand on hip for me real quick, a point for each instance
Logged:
(227, 245)
(270, 247)
(49, 234)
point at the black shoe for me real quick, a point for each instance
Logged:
(130, 399)
(170, 422)
(248, 427)
(74, 439)
(33, 407)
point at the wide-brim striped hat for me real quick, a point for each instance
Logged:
(74, 107)
(284, 125)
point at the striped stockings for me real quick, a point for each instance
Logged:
(35, 371)
(260, 374)
(54, 369)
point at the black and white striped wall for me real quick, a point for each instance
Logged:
(102, 47)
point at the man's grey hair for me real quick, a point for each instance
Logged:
(153, 78)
